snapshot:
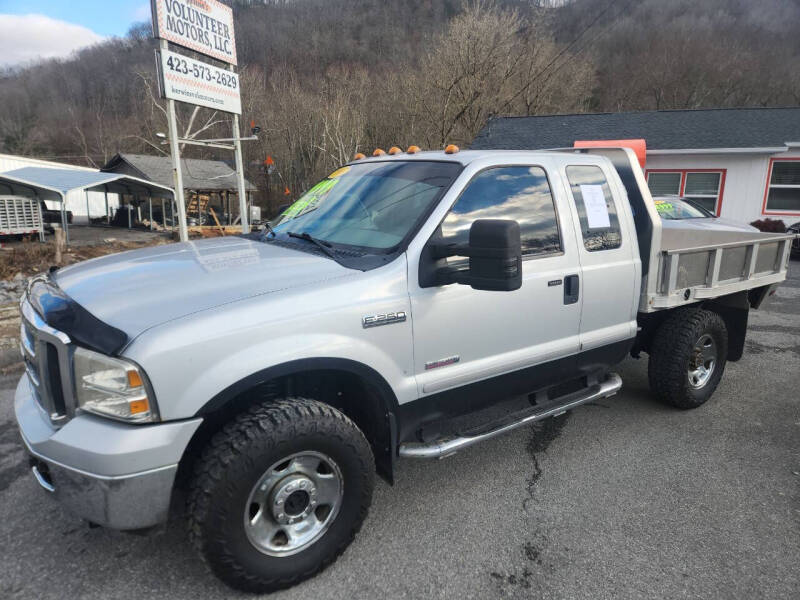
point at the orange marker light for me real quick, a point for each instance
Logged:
(378, 152)
(451, 149)
(394, 150)
(413, 149)
(359, 156)
(134, 379)
(138, 406)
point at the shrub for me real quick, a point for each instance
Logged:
(770, 225)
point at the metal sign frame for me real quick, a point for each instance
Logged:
(174, 140)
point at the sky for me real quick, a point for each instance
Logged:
(32, 29)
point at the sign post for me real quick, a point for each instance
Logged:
(205, 26)
(237, 143)
(177, 175)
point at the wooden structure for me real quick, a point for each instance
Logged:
(209, 184)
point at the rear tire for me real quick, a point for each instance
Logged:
(688, 354)
(279, 493)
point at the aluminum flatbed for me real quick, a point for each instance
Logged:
(684, 265)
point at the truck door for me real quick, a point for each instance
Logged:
(497, 343)
(607, 256)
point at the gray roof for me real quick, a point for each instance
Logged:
(205, 175)
(54, 184)
(662, 129)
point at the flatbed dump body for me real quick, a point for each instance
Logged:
(719, 264)
(683, 265)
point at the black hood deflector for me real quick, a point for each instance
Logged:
(63, 313)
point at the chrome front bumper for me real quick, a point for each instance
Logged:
(113, 474)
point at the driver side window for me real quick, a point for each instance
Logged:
(519, 193)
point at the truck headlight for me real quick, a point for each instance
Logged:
(112, 387)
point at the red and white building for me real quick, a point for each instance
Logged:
(740, 163)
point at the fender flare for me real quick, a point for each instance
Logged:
(295, 367)
(385, 458)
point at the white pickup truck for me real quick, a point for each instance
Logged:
(407, 306)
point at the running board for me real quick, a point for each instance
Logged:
(450, 445)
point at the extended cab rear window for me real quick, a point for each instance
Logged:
(596, 209)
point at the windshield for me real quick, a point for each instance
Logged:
(678, 209)
(371, 205)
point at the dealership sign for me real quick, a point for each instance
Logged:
(205, 26)
(196, 82)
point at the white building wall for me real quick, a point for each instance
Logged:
(76, 201)
(9, 162)
(745, 180)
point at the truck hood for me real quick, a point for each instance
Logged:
(134, 291)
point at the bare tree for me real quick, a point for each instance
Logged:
(327, 78)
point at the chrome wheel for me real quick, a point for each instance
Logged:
(293, 503)
(702, 361)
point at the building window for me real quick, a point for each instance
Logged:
(705, 187)
(783, 189)
(664, 184)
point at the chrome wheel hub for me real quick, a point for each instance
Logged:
(293, 499)
(702, 362)
(293, 503)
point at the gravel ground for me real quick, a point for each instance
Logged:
(621, 499)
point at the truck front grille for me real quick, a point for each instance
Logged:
(46, 354)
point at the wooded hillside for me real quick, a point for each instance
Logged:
(327, 78)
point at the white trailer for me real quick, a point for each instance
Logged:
(20, 216)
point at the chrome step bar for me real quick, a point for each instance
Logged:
(447, 446)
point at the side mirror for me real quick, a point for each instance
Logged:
(495, 257)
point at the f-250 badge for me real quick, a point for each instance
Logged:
(384, 319)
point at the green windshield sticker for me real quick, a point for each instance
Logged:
(311, 199)
(662, 206)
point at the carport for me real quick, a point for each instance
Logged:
(42, 183)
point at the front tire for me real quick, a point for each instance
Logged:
(687, 357)
(279, 493)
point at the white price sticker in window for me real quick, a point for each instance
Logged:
(595, 203)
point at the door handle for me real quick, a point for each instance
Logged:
(572, 289)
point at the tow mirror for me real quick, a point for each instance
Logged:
(495, 257)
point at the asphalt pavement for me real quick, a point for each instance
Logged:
(624, 498)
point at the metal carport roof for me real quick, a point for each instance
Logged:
(44, 183)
